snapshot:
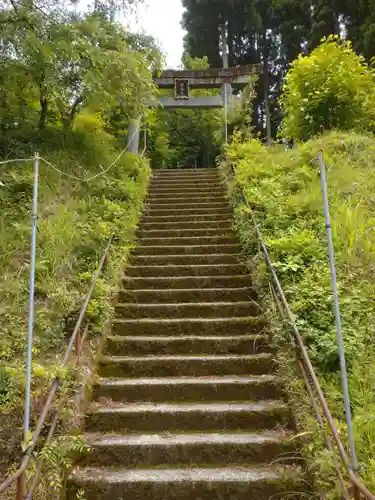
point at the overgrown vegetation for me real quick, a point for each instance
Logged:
(331, 88)
(284, 188)
(70, 83)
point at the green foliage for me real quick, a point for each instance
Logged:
(58, 458)
(284, 190)
(61, 64)
(76, 220)
(331, 88)
(274, 33)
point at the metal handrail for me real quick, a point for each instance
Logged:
(19, 474)
(359, 487)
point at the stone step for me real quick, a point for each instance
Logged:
(193, 344)
(193, 270)
(185, 310)
(186, 199)
(190, 295)
(186, 282)
(186, 193)
(186, 233)
(180, 417)
(190, 450)
(179, 185)
(211, 206)
(188, 241)
(186, 260)
(200, 217)
(184, 327)
(237, 483)
(186, 173)
(218, 224)
(186, 190)
(189, 213)
(188, 365)
(187, 250)
(189, 389)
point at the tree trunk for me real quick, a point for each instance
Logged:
(266, 90)
(43, 113)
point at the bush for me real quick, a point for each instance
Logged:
(284, 189)
(332, 88)
(75, 222)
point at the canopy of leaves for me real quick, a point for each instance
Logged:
(52, 66)
(331, 88)
(274, 32)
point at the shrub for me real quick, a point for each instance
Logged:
(331, 88)
(284, 189)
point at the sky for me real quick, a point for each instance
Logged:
(161, 19)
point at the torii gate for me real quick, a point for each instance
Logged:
(182, 81)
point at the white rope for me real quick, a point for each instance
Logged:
(15, 160)
(81, 179)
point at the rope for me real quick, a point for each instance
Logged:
(15, 160)
(80, 179)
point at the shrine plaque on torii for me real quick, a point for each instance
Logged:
(183, 80)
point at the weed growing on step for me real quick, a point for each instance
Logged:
(284, 189)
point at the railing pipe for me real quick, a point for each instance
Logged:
(31, 314)
(336, 303)
(307, 362)
(18, 475)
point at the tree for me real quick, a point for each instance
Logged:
(71, 62)
(274, 33)
(331, 88)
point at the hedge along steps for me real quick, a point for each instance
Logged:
(186, 377)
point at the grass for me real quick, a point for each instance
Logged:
(284, 189)
(75, 222)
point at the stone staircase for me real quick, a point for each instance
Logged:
(186, 405)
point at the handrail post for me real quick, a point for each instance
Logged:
(21, 486)
(31, 315)
(340, 341)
